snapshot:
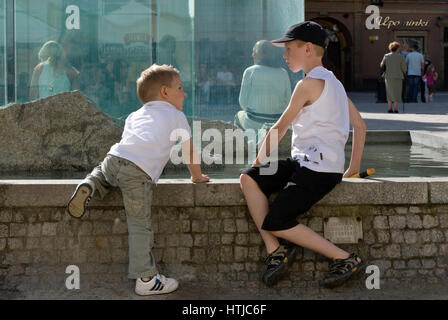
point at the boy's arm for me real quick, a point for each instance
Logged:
(193, 162)
(298, 100)
(358, 139)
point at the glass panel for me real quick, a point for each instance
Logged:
(99, 47)
(175, 40)
(225, 35)
(35, 24)
(125, 50)
(2, 54)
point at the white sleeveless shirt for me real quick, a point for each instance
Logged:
(51, 83)
(320, 130)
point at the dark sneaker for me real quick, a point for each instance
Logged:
(77, 205)
(341, 270)
(278, 263)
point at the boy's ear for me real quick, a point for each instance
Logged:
(163, 91)
(309, 47)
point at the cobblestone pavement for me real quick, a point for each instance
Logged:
(188, 292)
(417, 116)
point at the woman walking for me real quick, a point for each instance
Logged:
(395, 65)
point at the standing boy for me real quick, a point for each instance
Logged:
(319, 112)
(135, 164)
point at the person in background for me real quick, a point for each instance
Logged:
(265, 89)
(225, 82)
(423, 86)
(395, 65)
(204, 82)
(431, 76)
(405, 51)
(415, 64)
(53, 74)
(96, 84)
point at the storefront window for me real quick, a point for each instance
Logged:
(408, 41)
(100, 48)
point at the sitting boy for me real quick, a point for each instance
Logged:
(319, 112)
(135, 164)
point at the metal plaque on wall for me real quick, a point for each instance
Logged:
(343, 229)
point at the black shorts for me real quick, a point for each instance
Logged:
(298, 188)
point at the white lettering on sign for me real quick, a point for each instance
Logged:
(372, 20)
(73, 20)
(72, 281)
(373, 281)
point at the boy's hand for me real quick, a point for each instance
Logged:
(349, 172)
(201, 178)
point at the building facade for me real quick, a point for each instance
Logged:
(357, 47)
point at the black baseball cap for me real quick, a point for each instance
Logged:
(307, 31)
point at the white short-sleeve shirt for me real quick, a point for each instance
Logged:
(415, 60)
(149, 135)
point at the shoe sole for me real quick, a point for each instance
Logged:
(77, 204)
(275, 277)
(151, 293)
(337, 282)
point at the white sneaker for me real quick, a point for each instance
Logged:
(77, 204)
(159, 284)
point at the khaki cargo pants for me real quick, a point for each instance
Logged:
(136, 188)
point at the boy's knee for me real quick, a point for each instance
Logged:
(245, 180)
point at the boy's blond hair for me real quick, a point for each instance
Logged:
(151, 79)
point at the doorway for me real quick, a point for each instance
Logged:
(338, 56)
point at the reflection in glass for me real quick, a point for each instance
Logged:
(265, 88)
(125, 49)
(174, 35)
(225, 33)
(100, 47)
(53, 74)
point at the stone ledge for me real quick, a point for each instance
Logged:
(429, 138)
(385, 137)
(226, 192)
(197, 239)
